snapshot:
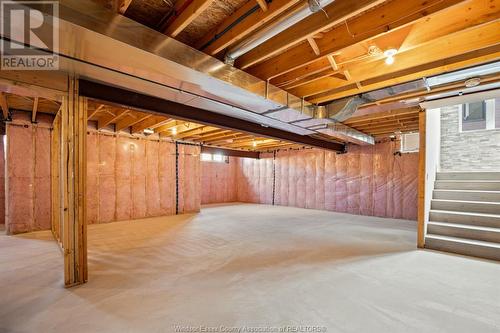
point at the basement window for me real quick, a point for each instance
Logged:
(205, 157)
(482, 115)
(410, 142)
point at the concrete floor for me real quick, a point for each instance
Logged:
(248, 265)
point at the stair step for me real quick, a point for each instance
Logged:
(474, 175)
(467, 195)
(486, 185)
(462, 246)
(464, 231)
(477, 219)
(466, 206)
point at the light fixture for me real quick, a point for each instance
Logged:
(174, 131)
(148, 131)
(254, 144)
(473, 82)
(389, 56)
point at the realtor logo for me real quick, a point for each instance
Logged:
(29, 35)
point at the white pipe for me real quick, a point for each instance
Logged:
(270, 31)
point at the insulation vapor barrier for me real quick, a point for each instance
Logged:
(369, 180)
(218, 182)
(27, 190)
(132, 178)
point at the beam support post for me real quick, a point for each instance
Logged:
(72, 185)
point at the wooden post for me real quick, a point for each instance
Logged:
(55, 170)
(421, 181)
(72, 185)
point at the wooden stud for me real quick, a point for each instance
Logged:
(262, 4)
(314, 46)
(4, 105)
(35, 109)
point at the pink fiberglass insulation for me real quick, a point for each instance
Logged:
(153, 207)
(218, 182)
(353, 180)
(139, 195)
(92, 178)
(107, 178)
(2, 181)
(123, 176)
(329, 180)
(189, 179)
(167, 178)
(28, 175)
(132, 178)
(368, 180)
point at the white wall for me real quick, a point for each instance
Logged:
(432, 155)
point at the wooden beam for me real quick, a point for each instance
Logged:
(313, 45)
(451, 63)
(337, 12)
(96, 110)
(187, 16)
(35, 109)
(421, 181)
(150, 122)
(181, 111)
(4, 105)
(197, 132)
(123, 6)
(380, 20)
(136, 118)
(233, 29)
(262, 4)
(229, 152)
(111, 118)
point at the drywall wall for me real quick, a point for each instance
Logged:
(470, 150)
(218, 181)
(27, 171)
(432, 156)
(369, 180)
(131, 178)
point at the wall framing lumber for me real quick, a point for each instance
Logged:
(72, 185)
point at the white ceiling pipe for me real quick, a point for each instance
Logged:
(273, 29)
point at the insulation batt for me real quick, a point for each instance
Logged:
(369, 180)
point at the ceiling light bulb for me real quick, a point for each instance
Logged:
(254, 143)
(174, 131)
(389, 60)
(390, 52)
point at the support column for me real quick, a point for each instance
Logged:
(73, 174)
(421, 180)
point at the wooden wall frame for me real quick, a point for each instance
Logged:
(421, 180)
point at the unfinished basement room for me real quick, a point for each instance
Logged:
(237, 166)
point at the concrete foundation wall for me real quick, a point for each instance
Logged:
(368, 180)
(470, 150)
(219, 181)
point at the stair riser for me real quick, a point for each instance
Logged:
(470, 196)
(481, 221)
(481, 235)
(468, 176)
(487, 186)
(463, 248)
(468, 207)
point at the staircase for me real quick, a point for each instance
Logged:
(465, 214)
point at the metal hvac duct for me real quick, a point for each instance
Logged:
(273, 29)
(117, 51)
